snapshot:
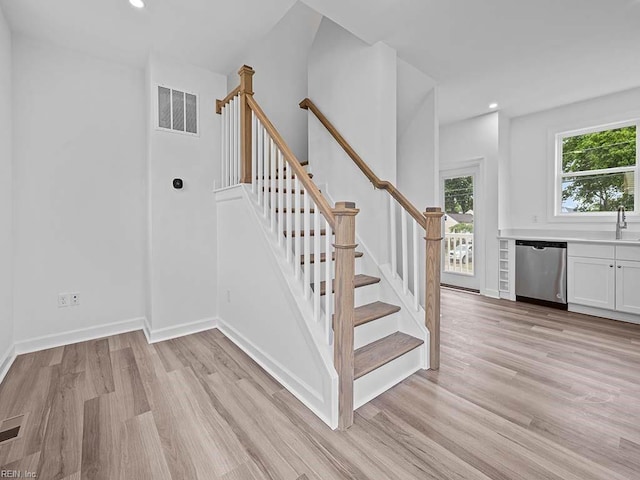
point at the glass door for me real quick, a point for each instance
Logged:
(460, 252)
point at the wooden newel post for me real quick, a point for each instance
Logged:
(433, 226)
(246, 89)
(343, 329)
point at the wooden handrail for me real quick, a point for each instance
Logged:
(293, 162)
(307, 104)
(221, 103)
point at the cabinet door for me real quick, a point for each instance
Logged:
(591, 282)
(628, 286)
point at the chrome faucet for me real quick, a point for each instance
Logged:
(621, 224)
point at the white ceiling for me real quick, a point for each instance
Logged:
(527, 55)
(207, 33)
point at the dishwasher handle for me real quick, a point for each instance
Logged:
(540, 244)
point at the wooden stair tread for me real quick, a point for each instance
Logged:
(312, 233)
(323, 257)
(383, 351)
(373, 311)
(359, 281)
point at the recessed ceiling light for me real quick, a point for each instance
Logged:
(137, 3)
(493, 106)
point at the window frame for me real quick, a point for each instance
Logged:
(156, 104)
(559, 174)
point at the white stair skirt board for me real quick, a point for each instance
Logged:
(369, 386)
(6, 360)
(167, 333)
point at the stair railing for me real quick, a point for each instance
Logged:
(429, 221)
(253, 152)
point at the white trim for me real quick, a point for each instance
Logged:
(603, 313)
(6, 361)
(491, 293)
(167, 333)
(555, 140)
(288, 380)
(80, 335)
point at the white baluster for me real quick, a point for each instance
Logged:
(289, 226)
(232, 141)
(405, 253)
(394, 233)
(281, 206)
(273, 159)
(416, 262)
(307, 245)
(298, 254)
(223, 153)
(237, 120)
(267, 183)
(254, 151)
(317, 247)
(260, 171)
(328, 306)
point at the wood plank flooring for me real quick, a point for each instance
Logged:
(524, 392)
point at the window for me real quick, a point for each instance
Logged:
(597, 170)
(177, 111)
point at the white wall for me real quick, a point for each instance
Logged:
(532, 158)
(79, 200)
(182, 223)
(260, 311)
(469, 140)
(6, 182)
(417, 129)
(354, 85)
(280, 82)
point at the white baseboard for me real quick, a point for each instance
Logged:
(75, 336)
(600, 312)
(162, 334)
(6, 361)
(292, 383)
(487, 292)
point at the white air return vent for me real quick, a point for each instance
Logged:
(177, 111)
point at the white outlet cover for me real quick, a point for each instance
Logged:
(74, 299)
(63, 300)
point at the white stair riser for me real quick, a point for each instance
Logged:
(372, 384)
(375, 330)
(366, 295)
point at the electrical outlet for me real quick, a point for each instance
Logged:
(63, 300)
(74, 299)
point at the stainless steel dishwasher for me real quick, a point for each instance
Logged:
(541, 273)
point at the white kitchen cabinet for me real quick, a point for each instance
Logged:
(591, 282)
(627, 286)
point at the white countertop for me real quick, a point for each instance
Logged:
(629, 238)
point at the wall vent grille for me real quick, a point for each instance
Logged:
(177, 111)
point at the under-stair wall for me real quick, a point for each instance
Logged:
(263, 311)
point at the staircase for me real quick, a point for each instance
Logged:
(375, 340)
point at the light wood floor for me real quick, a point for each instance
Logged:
(524, 392)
